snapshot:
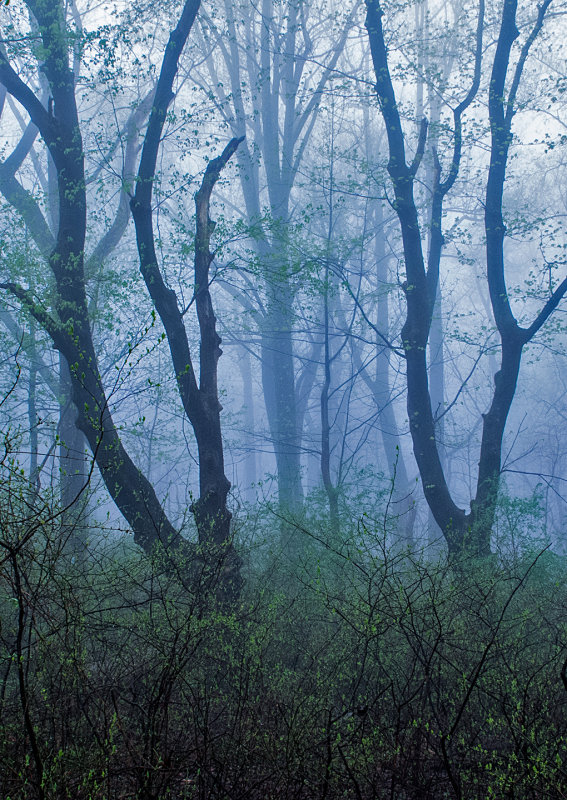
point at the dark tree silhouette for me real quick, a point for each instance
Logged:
(68, 324)
(465, 532)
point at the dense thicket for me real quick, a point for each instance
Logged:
(363, 675)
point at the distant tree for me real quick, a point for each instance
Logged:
(268, 74)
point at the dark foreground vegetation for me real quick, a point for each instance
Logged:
(370, 673)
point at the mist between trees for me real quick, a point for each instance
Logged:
(327, 558)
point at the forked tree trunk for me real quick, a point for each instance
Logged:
(200, 398)
(465, 532)
(70, 329)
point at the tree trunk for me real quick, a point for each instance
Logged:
(330, 488)
(278, 381)
(200, 399)
(73, 471)
(403, 500)
(249, 427)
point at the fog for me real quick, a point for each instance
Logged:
(282, 397)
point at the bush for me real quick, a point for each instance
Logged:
(398, 679)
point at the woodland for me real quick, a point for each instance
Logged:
(283, 392)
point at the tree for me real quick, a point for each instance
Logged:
(464, 532)
(270, 55)
(68, 323)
